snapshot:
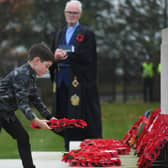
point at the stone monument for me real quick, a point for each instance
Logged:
(164, 72)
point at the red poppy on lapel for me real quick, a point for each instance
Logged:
(80, 37)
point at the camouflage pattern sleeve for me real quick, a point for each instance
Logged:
(38, 103)
(21, 87)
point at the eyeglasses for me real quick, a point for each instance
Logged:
(72, 13)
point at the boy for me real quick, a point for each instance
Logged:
(17, 90)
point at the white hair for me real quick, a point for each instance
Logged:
(74, 1)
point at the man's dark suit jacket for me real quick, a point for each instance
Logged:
(84, 67)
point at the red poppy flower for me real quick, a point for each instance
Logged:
(80, 38)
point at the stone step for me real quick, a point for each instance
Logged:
(49, 159)
(53, 160)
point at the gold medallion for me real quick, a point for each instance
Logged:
(75, 99)
(75, 82)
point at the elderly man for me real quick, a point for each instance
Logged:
(75, 77)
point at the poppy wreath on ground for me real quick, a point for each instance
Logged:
(132, 133)
(91, 158)
(106, 145)
(135, 131)
(97, 153)
(63, 123)
(141, 141)
(153, 141)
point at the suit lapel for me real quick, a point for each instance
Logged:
(61, 37)
(74, 35)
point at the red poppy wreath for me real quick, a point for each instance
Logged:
(63, 123)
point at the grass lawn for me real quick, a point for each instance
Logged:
(117, 118)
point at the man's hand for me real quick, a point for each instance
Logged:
(41, 123)
(60, 55)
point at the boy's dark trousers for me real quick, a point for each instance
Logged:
(14, 128)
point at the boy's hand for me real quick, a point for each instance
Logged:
(41, 123)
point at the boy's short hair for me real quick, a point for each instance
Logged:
(42, 51)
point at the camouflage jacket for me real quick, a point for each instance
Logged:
(18, 90)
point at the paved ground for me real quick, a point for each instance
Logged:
(41, 160)
(53, 160)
